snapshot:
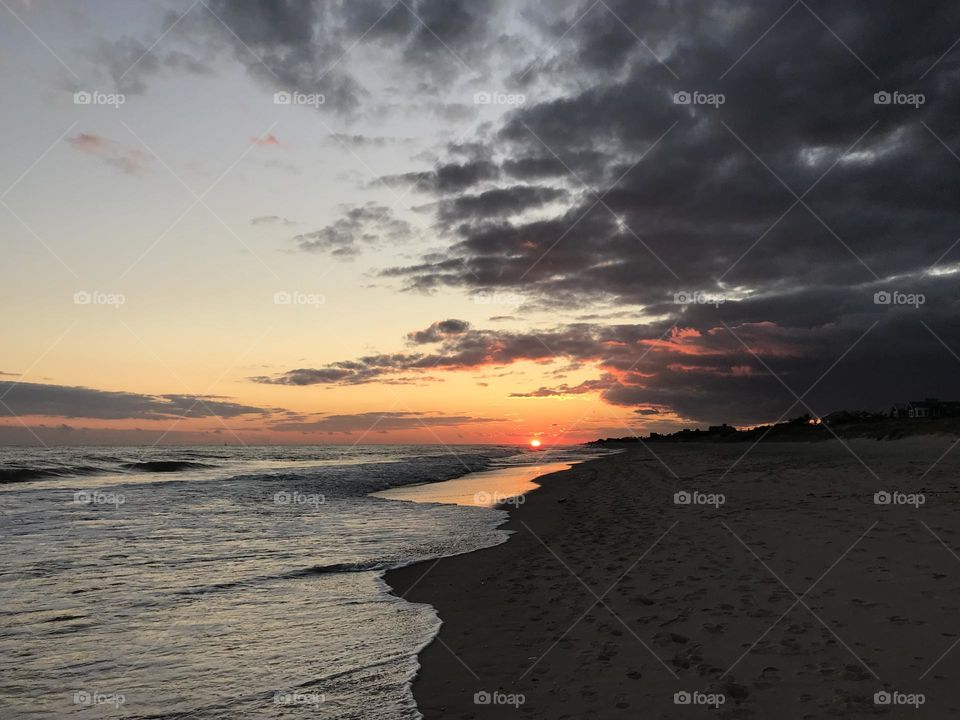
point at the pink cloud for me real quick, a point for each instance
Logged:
(269, 140)
(130, 160)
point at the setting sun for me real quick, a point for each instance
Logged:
(535, 443)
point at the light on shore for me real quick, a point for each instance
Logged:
(535, 443)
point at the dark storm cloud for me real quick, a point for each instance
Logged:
(378, 422)
(36, 399)
(499, 202)
(365, 225)
(721, 364)
(447, 178)
(687, 212)
(792, 203)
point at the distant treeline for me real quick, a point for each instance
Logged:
(843, 424)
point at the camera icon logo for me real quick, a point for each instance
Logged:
(882, 297)
(682, 698)
(282, 498)
(882, 498)
(882, 98)
(482, 98)
(482, 698)
(82, 98)
(882, 698)
(82, 697)
(681, 98)
(82, 298)
(682, 498)
(282, 98)
(482, 498)
(282, 298)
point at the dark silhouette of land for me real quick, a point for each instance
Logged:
(842, 424)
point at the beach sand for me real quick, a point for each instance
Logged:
(798, 597)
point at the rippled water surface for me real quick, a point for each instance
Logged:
(219, 582)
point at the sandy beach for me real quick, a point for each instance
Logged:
(785, 587)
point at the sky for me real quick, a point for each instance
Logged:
(441, 221)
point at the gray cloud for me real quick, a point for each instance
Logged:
(639, 198)
(300, 45)
(446, 178)
(272, 220)
(37, 399)
(359, 227)
(378, 422)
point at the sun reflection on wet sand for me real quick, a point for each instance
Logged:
(480, 489)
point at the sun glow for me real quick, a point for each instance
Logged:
(534, 443)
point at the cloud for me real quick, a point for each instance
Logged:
(500, 202)
(304, 46)
(42, 400)
(272, 220)
(446, 178)
(129, 160)
(268, 140)
(130, 62)
(438, 331)
(361, 226)
(587, 386)
(359, 140)
(794, 202)
(716, 368)
(379, 422)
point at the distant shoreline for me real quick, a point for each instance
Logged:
(803, 430)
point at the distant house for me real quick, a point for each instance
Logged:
(927, 408)
(722, 428)
(900, 410)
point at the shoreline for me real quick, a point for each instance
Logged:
(436, 583)
(608, 598)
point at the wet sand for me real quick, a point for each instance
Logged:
(797, 597)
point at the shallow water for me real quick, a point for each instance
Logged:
(245, 584)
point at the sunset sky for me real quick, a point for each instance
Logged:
(451, 221)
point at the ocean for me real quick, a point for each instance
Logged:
(222, 582)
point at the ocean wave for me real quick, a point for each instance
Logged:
(160, 466)
(26, 474)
